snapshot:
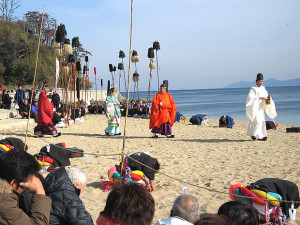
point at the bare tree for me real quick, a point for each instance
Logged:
(33, 21)
(8, 8)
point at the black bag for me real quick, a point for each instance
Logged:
(76, 152)
(270, 125)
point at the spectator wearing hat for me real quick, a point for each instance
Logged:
(163, 111)
(45, 115)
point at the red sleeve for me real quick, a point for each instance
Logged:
(173, 110)
(154, 110)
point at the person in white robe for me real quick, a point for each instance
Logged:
(258, 103)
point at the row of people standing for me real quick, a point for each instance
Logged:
(19, 98)
(5, 99)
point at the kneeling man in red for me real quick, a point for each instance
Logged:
(45, 115)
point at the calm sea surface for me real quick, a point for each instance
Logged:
(231, 101)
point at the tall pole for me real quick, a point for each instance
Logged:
(35, 69)
(127, 99)
(157, 70)
(96, 89)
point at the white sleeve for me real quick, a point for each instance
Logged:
(252, 104)
(270, 109)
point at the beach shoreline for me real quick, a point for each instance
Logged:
(208, 157)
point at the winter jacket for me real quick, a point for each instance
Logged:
(24, 108)
(11, 214)
(66, 208)
(173, 221)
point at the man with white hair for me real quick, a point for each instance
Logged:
(185, 211)
(64, 186)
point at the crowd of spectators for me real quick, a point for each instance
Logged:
(28, 198)
(138, 109)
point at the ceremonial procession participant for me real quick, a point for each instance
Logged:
(258, 102)
(148, 161)
(113, 113)
(163, 111)
(45, 115)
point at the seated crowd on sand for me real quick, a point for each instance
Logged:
(29, 198)
(26, 197)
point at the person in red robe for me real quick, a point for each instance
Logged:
(45, 115)
(163, 111)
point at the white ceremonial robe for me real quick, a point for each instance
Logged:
(255, 112)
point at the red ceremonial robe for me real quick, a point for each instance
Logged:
(164, 113)
(45, 110)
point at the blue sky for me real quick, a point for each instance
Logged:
(204, 43)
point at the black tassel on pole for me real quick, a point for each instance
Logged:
(78, 66)
(108, 87)
(156, 46)
(121, 54)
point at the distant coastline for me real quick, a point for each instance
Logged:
(268, 83)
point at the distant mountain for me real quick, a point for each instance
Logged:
(268, 83)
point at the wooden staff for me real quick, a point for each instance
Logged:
(124, 74)
(62, 88)
(101, 92)
(96, 88)
(120, 84)
(148, 98)
(156, 46)
(73, 87)
(85, 88)
(67, 99)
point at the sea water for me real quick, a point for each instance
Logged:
(231, 101)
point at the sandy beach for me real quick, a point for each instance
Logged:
(205, 156)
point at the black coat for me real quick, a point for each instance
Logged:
(286, 189)
(66, 208)
(24, 108)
